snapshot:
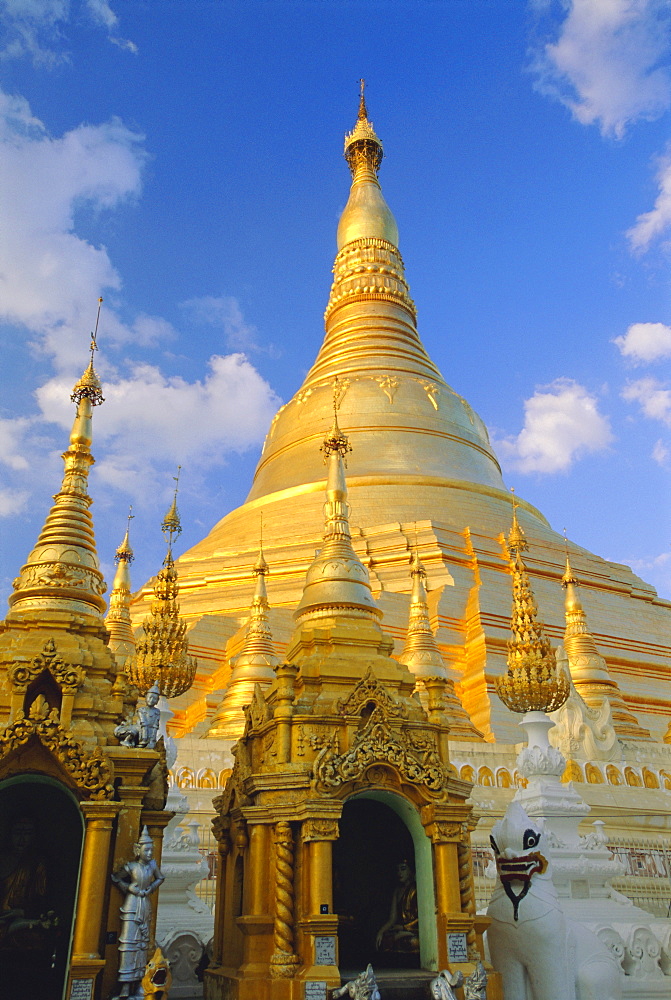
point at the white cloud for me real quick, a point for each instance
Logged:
(652, 396)
(224, 313)
(149, 420)
(12, 502)
(36, 28)
(12, 435)
(645, 342)
(561, 423)
(609, 64)
(49, 275)
(660, 453)
(652, 224)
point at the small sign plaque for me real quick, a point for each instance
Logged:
(81, 989)
(457, 950)
(580, 888)
(325, 951)
(315, 991)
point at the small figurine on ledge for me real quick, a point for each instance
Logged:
(364, 987)
(144, 732)
(401, 931)
(137, 880)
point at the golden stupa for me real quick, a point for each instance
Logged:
(422, 476)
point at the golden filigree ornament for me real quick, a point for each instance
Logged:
(533, 681)
(162, 653)
(92, 772)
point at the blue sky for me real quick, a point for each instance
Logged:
(183, 159)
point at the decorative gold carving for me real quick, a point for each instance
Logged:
(413, 757)
(56, 574)
(258, 712)
(388, 384)
(67, 675)
(370, 691)
(284, 961)
(92, 772)
(432, 391)
(369, 268)
(443, 833)
(534, 681)
(303, 395)
(320, 829)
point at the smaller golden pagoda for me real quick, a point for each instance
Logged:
(423, 658)
(341, 780)
(118, 621)
(589, 671)
(72, 801)
(253, 665)
(533, 681)
(162, 652)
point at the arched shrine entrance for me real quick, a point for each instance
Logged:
(41, 834)
(380, 834)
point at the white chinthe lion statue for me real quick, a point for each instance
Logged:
(540, 953)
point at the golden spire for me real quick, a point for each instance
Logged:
(336, 579)
(162, 654)
(404, 418)
(589, 670)
(366, 214)
(62, 573)
(423, 658)
(253, 665)
(533, 680)
(118, 621)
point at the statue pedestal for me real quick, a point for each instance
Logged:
(583, 868)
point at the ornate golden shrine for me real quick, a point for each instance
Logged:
(340, 723)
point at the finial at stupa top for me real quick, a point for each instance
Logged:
(88, 386)
(335, 441)
(517, 541)
(124, 553)
(362, 144)
(171, 526)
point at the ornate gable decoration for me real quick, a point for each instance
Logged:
(413, 756)
(67, 675)
(257, 713)
(370, 691)
(91, 772)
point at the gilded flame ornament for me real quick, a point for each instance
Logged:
(533, 680)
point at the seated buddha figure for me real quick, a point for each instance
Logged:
(400, 932)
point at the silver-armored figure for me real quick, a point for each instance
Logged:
(144, 731)
(137, 880)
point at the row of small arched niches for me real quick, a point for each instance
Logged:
(186, 777)
(593, 774)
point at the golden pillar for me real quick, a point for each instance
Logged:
(224, 847)
(86, 959)
(284, 960)
(318, 834)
